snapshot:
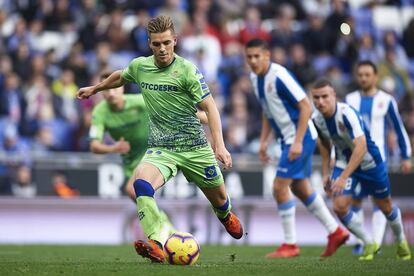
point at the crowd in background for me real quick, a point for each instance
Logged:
(50, 48)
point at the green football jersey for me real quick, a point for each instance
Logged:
(171, 94)
(130, 123)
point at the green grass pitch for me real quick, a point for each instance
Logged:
(214, 260)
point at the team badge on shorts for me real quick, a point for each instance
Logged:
(210, 172)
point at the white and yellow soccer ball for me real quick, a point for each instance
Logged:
(181, 248)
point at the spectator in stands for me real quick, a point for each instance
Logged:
(367, 49)
(21, 61)
(390, 41)
(300, 66)
(58, 16)
(237, 123)
(64, 102)
(174, 8)
(314, 37)
(6, 68)
(39, 101)
(22, 185)
(284, 35)
(138, 36)
(52, 70)
(202, 48)
(333, 23)
(12, 103)
(279, 55)
(253, 26)
(19, 36)
(231, 67)
(62, 187)
(76, 62)
(336, 76)
(392, 77)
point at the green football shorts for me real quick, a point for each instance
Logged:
(198, 166)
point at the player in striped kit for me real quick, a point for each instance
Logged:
(357, 160)
(378, 109)
(287, 110)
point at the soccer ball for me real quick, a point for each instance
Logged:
(181, 248)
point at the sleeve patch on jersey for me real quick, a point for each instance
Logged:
(205, 95)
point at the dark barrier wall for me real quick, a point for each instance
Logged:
(106, 179)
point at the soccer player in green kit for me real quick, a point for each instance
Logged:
(172, 87)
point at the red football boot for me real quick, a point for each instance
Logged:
(335, 240)
(284, 251)
(150, 249)
(233, 225)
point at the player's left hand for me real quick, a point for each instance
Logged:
(224, 157)
(406, 165)
(338, 185)
(295, 151)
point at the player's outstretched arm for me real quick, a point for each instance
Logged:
(214, 122)
(114, 80)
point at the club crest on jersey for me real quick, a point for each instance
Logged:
(341, 126)
(174, 74)
(269, 88)
(380, 105)
(210, 172)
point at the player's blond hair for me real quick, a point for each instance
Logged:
(160, 24)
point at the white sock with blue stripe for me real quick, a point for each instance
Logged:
(355, 227)
(317, 207)
(395, 220)
(358, 214)
(287, 212)
(379, 224)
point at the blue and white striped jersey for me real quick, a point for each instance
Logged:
(378, 112)
(342, 128)
(279, 94)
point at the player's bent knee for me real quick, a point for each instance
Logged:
(385, 205)
(281, 192)
(143, 188)
(340, 209)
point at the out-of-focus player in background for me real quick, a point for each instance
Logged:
(287, 110)
(378, 109)
(172, 87)
(357, 160)
(125, 118)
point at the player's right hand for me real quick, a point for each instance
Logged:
(406, 165)
(85, 92)
(327, 185)
(263, 156)
(122, 146)
(224, 157)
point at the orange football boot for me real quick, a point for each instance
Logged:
(150, 249)
(233, 225)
